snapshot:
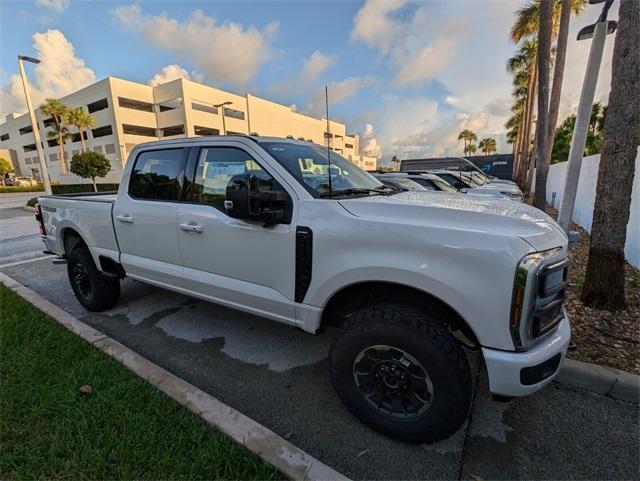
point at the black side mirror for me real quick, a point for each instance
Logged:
(245, 201)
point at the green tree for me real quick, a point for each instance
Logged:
(605, 275)
(90, 165)
(488, 145)
(5, 167)
(595, 135)
(395, 161)
(467, 136)
(58, 112)
(82, 120)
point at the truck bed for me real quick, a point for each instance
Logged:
(88, 214)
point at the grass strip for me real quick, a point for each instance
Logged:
(123, 429)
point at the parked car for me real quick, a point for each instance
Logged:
(464, 182)
(418, 182)
(257, 224)
(24, 181)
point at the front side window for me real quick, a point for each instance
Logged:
(310, 165)
(156, 174)
(216, 166)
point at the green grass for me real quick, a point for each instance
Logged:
(124, 429)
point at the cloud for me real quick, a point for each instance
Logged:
(173, 72)
(338, 92)
(406, 40)
(375, 25)
(55, 5)
(314, 67)
(432, 58)
(225, 52)
(59, 73)
(370, 145)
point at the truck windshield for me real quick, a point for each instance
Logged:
(310, 165)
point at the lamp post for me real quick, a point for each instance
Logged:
(598, 31)
(222, 106)
(34, 124)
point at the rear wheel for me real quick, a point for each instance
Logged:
(94, 290)
(402, 373)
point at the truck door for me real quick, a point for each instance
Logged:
(145, 217)
(232, 261)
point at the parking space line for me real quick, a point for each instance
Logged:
(290, 460)
(25, 261)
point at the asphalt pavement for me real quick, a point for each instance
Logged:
(278, 375)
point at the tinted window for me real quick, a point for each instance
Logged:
(426, 183)
(156, 174)
(453, 180)
(215, 168)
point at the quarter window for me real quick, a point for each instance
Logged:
(216, 166)
(156, 174)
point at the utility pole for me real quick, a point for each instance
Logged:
(34, 124)
(598, 32)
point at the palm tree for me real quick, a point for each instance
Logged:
(487, 145)
(526, 26)
(471, 149)
(82, 120)
(467, 136)
(523, 67)
(542, 132)
(395, 160)
(604, 278)
(58, 111)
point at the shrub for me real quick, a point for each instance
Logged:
(90, 165)
(7, 189)
(32, 202)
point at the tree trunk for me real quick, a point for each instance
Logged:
(558, 75)
(542, 125)
(526, 141)
(84, 147)
(95, 187)
(63, 164)
(604, 278)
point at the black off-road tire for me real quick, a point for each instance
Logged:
(420, 335)
(94, 290)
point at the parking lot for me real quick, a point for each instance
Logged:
(278, 376)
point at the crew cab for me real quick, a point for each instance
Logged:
(291, 231)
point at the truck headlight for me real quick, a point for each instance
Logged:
(525, 294)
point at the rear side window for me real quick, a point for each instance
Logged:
(157, 175)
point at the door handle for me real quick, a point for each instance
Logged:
(191, 227)
(127, 219)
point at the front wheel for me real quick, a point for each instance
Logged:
(402, 373)
(94, 290)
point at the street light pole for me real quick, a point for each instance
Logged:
(221, 106)
(598, 32)
(34, 124)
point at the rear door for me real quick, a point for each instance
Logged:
(145, 217)
(232, 261)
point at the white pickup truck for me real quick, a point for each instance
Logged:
(408, 278)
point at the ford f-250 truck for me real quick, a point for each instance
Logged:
(409, 278)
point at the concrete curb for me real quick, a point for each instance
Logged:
(600, 380)
(275, 450)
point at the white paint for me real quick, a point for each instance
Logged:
(585, 199)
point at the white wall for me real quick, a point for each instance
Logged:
(583, 210)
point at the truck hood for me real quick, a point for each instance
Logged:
(462, 212)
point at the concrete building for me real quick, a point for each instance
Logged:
(128, 113)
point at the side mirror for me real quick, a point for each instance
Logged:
(245, 201)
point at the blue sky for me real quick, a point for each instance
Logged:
(406, 75)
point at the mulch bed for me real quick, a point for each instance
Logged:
(602, 337)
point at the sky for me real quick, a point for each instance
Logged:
(407, 76)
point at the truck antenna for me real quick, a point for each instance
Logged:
(326, 104)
